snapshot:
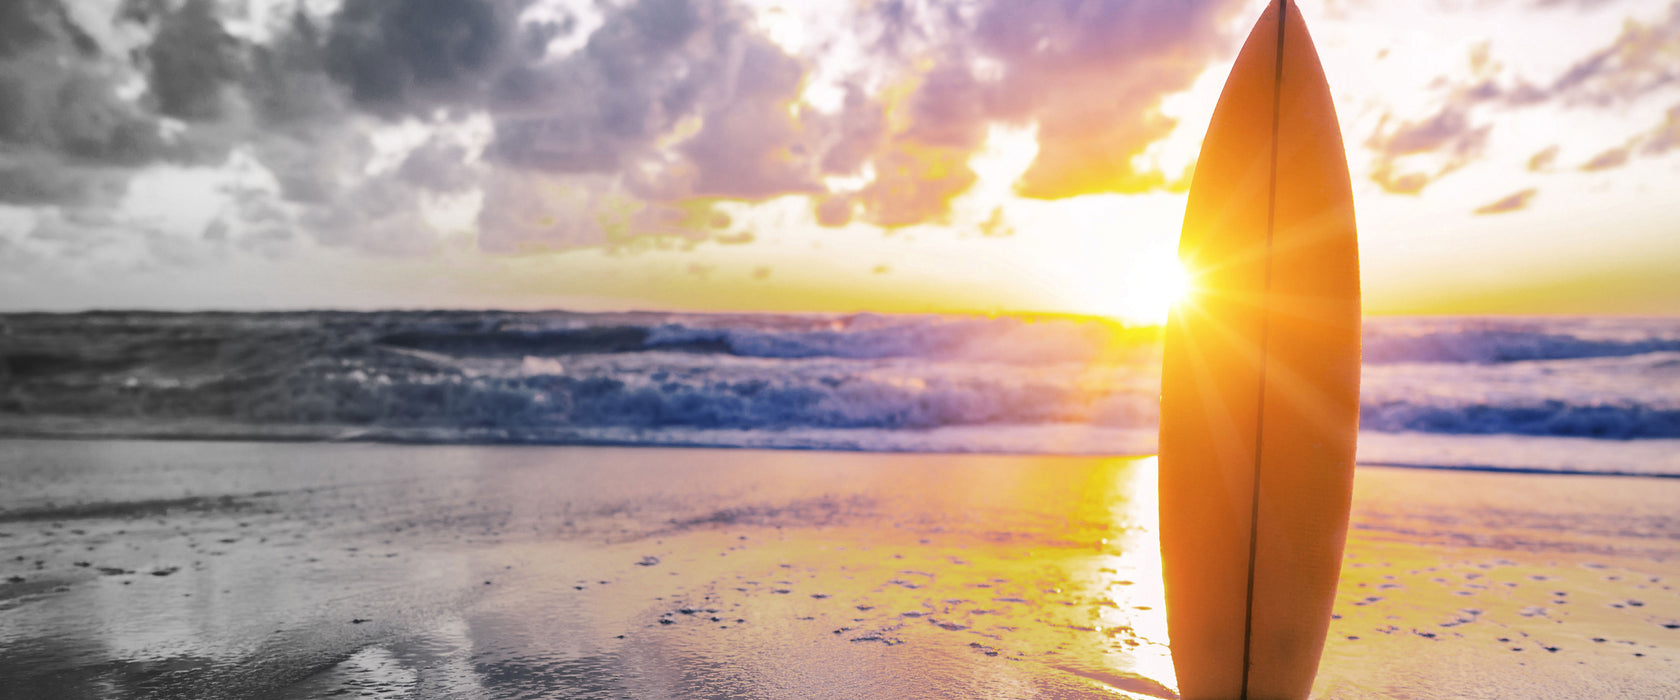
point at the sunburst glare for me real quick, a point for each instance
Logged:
(1147, 288)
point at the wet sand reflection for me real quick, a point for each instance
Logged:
(598, 572)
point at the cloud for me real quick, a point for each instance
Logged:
(167, 85)
(750, 146)
(915, 183)
(1093, 75)
(1398, 183)
(1090, 76)
(408, 56)
(192, 61)
(1666, 136)
(924, 165)
(552, 125)
(1638, 62)
(68, 131)
(438, 165)
(1543, 158)
(1609, 159)
(834, 211)
(36, 179)
(606, 106)
(857, 131)
(684, 99)
(1641, 60)
(287, 84)
(27, 24)
(1509, 203)
(1656, 141)
(680, 99)
(1450, 136)
(996, 226)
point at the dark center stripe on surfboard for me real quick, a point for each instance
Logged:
(1265, 328)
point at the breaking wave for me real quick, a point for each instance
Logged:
(843, 382)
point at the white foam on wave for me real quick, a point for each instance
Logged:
(1562, 455)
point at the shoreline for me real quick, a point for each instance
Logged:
(58, 428)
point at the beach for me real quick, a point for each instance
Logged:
(298, 570)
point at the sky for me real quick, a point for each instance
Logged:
(1508, 156)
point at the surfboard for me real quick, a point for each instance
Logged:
(1260, 380)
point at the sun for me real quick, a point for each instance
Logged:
(1139, 291)
(1161, 285)
(1155, 285)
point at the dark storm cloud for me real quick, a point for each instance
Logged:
(64, 130)
(193, 60)
(28, 23)
(401, 56)
(79, 121)
(1509, 203)
(287, 84)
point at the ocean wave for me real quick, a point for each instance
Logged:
(870, 336)
(564, 376)
(1554, 418)
(1489, 341)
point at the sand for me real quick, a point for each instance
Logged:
(136, 569)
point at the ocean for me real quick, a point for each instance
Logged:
(1572, 395)
(272, 539)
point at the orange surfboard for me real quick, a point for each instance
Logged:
(1260, 383)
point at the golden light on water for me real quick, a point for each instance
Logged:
(1135, 579)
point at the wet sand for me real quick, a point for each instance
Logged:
(222, 569)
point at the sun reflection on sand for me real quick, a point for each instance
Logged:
(1133, 577)
(1123, 581)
